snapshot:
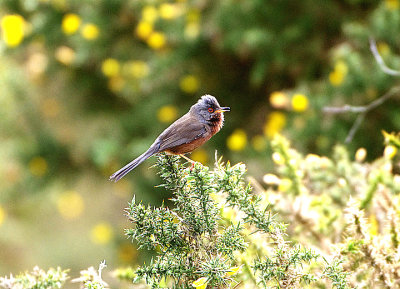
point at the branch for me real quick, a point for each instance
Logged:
(363, 110)
(379, 59)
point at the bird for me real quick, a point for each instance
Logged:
(204, 119)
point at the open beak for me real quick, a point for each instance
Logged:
(223, 109)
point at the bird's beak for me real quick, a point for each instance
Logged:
(223, 109)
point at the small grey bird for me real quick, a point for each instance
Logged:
(204, 119)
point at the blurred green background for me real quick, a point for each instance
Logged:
(86, 86)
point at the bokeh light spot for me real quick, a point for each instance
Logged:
(70, 205)
(101, 233)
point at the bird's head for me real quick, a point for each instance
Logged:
(207, 109)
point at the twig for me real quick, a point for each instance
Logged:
(379, 59)
(363, 110)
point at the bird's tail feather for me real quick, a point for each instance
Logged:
(115, 177)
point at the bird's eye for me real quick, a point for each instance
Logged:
(210, 110)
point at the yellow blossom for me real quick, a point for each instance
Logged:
(170, 11)
(110, 67)
(2, 215)
(313, 159)
(276, 121)
(167, 113)
(101, 233)
(299, 102)
(149, 14)
(373, 225)
(70, 23)
(392, 4)
(383, 48)
(390, 151)
(336, 77)
(271, 179)
(189, 84)
(278, 99)
(90, 31)
(342, 182)
(200, 283)
(258, 143)
(232, 271)
(237, 141)
(361, 154)
(156, 40)
(285, 185)
(38, 166)
(137, 68)
(13, 29)
(70, 205)
(278, 158)
(200, 155)
(144, 29)
(65, 55)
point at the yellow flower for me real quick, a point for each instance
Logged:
(110, 67)
(237, 141)
(189, 84)
(38, 166)
(137, 68)
(258, 143)
(373, 225)
(144, 29)
(271, 179)
(101, 233)
(70, 205)
(277, 158)
(169, 11)
(199, 155)
(361, 154)
(200, 283)
(167, 113)
(336, 77)
(12, 28)
(90, 31)
(70, 23)
(278, 99)
(156, 40)
(65, 55)
(299, 102)
(232, 271)
(383, 48)
(149, 14)
(2, 215)
(392, 4)
(276, 121)
(390, 151)
(285, 185)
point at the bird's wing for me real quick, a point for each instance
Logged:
(184, 130)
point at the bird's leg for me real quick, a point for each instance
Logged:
(189, 160)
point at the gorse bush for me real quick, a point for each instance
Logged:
(315, 223)
(198, 244)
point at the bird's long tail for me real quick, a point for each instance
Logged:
(115, 177)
